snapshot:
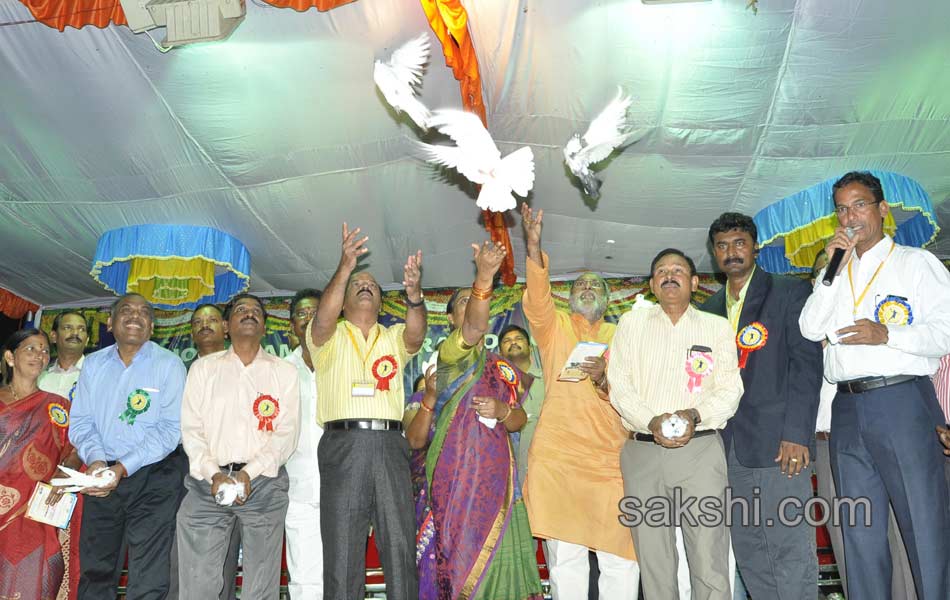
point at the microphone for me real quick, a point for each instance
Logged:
(835, 261)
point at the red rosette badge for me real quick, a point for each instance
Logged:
(384, 369)
(752, 337)
(509, 375)
(266, 409)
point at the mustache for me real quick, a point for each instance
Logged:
(250, 318)
(205, 330)
(74, 338)
(733, 260)
(670, 281)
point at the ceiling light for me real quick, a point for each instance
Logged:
(185, 21)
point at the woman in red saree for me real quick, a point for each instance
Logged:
(33, 443)
(480, 541)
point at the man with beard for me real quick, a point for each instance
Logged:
(207, 329)
(239, 424)
(574, 482)
(515, 345)
(769, 442)
(125, 418)
(886, 316)
(302, 525)
(672, 360)
(359, 370)
(69, 336)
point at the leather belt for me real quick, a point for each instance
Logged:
(367, 424)
(823, 435)
(648, 437)
(232, 467)
(856, 386)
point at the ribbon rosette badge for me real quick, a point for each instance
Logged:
(894, 310)
(138, 403)
(58, 415)
(510, 377)
(698, 366)
(752, 337)
(266, 409)
(384, 369)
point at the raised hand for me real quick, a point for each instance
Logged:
(531, 222)
(353, 248)
(488, 259)
(412, 277)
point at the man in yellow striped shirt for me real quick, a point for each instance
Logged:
(363, 456)
(671, 360)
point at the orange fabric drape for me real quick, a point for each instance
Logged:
(60, 14)
(449, 21)
(302, 5)
(13, 306)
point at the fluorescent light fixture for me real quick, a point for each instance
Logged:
(670, 1)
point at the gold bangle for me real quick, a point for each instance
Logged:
(507, 415)
(425, 408)
(481, 294)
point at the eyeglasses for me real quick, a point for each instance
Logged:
(859, 207)
(305, 313)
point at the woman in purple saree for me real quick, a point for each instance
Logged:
(475, 533)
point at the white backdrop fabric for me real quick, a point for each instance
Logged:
(277, 135)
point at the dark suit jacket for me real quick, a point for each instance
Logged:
(782, 379)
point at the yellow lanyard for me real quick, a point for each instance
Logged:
(357, 347)
(873, 277)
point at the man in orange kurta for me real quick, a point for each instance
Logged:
(574, 484)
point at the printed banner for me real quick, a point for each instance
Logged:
(173, 328)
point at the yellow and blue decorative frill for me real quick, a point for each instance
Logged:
(793, 230)
(172, 266)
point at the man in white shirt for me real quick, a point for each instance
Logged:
(302, 524)
(887, 318)
(69, 336)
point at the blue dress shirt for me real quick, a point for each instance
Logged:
(102, 396)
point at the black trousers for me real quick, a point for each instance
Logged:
(141, 509)
(366, 475)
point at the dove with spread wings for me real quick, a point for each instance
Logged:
(607, 132)
(476, 156)
(399, 78)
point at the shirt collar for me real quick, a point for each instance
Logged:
(56, 369)
(143, 354)
(730, 301)
(232, 355)
(879, 250)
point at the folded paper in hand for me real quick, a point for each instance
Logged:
(572, 371)
(57, 515)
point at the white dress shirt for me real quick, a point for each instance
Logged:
(302, 467)
(57, 380)
(912, 349)
(825, 397)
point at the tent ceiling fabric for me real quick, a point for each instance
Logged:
(277, 135)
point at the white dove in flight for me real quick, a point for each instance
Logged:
(77, 481)
(607, 132)
(398, 78)
(476, 156)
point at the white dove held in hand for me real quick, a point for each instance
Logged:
(607, 132)
(476, 156)
(398, 78)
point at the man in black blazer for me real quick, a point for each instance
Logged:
(770, 440)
